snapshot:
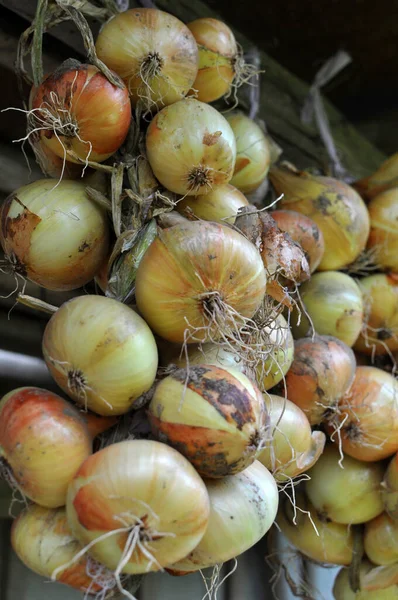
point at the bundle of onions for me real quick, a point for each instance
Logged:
(334, 304)
(336, 208)
(381, 540)
(342, 588)
(383, 237)
(379, 333)
(198, 280)
(367, 416)
(361, 482)
(191, 148)
(390, 488)
(153, 52)
(385, 178)
(242, 510)
(44, 440)
(80, 115)
(253, 155)
(52, 233)
(219, 205)
(137, 506)
(322, 371)
(292, 448)
(215, 417)
(317, 538)
(115, 361)
(305, 232)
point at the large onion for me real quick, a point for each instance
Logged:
(52, 233)
(220, 205)
(385, 178)
(383, 237)
(191, 148)
(113, 362)
(140, 498)
(390, 488)
(381, 540)
(342, 587)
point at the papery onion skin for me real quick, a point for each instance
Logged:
(44, 440)
(383, 237)
(242, 510)
(390, 488)
(191, 148)
(385, 178)
(216, 418)
(342, 588)
(96, 114)
(361, 482)
(381, 540)
(115, 360)
(186, 267)
(334, 303)
(153, 52)
(322, 371)
(253, 155)
(333, 545)
(138, 479)
(54, 234)
(368, 416)
(219, 205)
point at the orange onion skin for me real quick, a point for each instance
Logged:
(383, 237)
(100, 111)
(385, 178)
(44, 440)
(373, 585)
(322, 371)
(390, 488)
(381, 540)
(97, 424)
(220, 205)
(368, 415)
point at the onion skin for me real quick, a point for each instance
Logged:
(334, 302)
(305, 232)
(242, 510)
(385, 178)
(187, 261)
(50, 163)
(272, 371)
(360, 481)
(115, 362)
(220, 205)
(132, 37)
(368, 415)
(96, 424)
(383, 237)
(390, 488)
(322, 371)
(381, 540)
(100, 111)
(336, 208)
(33, 218)
(44, 440)
(191, 148)
(342, 589)
(138, 479)
(215, 418)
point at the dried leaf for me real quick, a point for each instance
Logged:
(99, 198)
(117, 187)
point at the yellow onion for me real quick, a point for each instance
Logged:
(139, 504)
(101, 353)
(385, 178)
(381, 540)
(292, 448)
(321, 373)
(191, 148)
(204, 354)
(253, 155)
(52, 233)
(198, 278)
(44, 440)
(342, 589)
(336, 208)
(220, 204)
(242, 510)
(383, 237)
(215, 418)
(153, 52)
(346, 495)
(334, 303)
(316, 537)
(390, 488)
(381, 579)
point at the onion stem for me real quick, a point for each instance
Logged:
(36, 304)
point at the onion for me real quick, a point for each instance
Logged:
(305, 232)
(334, 303)
(381, 540)
(96, 424)
(116, 358)
(346, 495)
(385, 178)
(293, 447)
(367, 416)
(191, 148)
(253, 155)
(52, 233)
(321, 373)
(50, 163)
(220, 205)
(199, 278)
(390, 488)
(153, 52)
(140, 505)
(204, 354)
(383, 237)
(80, 114)
(44, 440)
(214, 417)
(336, 208)
(381, 579)
(242, 510)
(277, 353)
(342, 588)
(316, 537)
